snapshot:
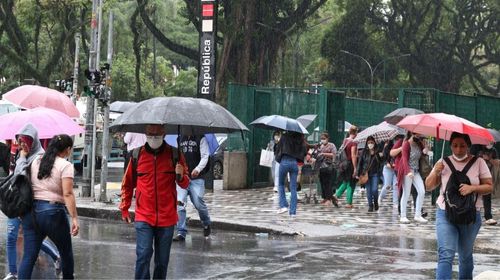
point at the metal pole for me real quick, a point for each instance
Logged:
(105, 133)
(77, 67)
(96, 105)
(89, 117)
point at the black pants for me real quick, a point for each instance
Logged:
(487, 206)
(326, 178)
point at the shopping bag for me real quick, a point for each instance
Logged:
(266, 158)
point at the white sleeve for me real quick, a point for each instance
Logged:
(203, 155)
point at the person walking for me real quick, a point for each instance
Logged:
(453, 237)
(195, 150)
(290, 151)
(52, 181)
(275, 166)
(369, 163)
(347, 177)
(325, 156)
(408, 175)
(489, 154)
(153, 175)
(389, 174)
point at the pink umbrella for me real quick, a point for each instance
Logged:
(48, 123)
(29, 97)
(441, 125)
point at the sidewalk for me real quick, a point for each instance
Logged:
(254, 210)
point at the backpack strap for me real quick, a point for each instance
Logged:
(466, 168)
(450, 165)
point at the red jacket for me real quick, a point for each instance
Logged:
(156, 197)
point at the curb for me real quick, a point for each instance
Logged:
(115, 215)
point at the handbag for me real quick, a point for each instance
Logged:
(363, 179)
(424, 167)
(266, 158)
(16, 194)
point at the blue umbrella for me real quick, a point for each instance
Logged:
(279, 122)
(171, 139)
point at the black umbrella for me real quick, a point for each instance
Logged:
(179, 115)
(121, 106)
(397, 115)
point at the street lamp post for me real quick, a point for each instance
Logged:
(373, 69)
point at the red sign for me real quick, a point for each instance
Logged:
(208, 10)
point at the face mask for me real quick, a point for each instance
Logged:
(154, 141)
(489, 146)
(276, 138)
(459, 159)
(371, 146)
(324, 141)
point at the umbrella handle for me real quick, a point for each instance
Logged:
(178, 176)
(444, 140)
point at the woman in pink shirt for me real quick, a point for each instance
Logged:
(453, 237)
(52, 180)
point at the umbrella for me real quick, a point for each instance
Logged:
(347, 126)
(441, 125)
(179, 115)
(381, 132)
(171, 139)
(495, 133)
(121, 106)
(306, 120)
(279, 122)
(397, 115)
(48, 123)
(30, 97)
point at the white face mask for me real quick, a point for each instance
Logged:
(276, 138)
(371, 146)
(324, 142)
(154, 141)
(489, 146)
(459, 159)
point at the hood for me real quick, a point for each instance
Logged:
(31, 131)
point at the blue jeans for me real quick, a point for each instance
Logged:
(162, 239)
(390, 181)
(372, 189)
(452, 238)
(52, 221)
(288, 165)
(195, 191)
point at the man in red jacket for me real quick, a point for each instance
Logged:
(156, 201)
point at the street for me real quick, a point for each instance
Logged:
(106, 249)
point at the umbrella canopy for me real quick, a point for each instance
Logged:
(381, 132)
(495, 133)
(30, 97)
(121, 106)
(179, 115)
(441, 125)
(306, 120)
(397, 115)
(48, 123)
(279, 122)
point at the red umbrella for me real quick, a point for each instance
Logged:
(30, 97)
(441, 125)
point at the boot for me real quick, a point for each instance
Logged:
(375, 204)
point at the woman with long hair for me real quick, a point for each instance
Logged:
(369, 163)
(52, 180)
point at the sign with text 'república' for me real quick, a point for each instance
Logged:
(207, 50)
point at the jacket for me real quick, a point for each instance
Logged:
(291, 144)
(155, 194)
(368, 160)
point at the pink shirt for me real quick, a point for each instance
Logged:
(479, 170)
(50, 189)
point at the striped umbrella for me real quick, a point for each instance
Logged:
(381, 132)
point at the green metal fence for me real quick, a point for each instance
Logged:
(334, 106)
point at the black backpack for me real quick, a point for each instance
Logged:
(460, 210)
(341, 161)
(16, 194)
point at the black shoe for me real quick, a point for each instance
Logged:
(207, 231)
(370, 209)
(424, 214)
(375, 204)
(335, 202)
(179, 238)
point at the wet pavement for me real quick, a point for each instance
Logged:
(106, 250)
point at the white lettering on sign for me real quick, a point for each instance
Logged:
(205, 66)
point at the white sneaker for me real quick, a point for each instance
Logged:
(420, 220)
(275, 189)
(10, 276)
(282, 210)
(379, 200)
(404, 221)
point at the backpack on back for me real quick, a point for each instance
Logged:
(341, 161)
(460, 210)
(16, 194)
(136, 153)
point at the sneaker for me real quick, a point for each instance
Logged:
(293, 216)
(370, 209)
(275, 189)
(179, 238)
(420, 220)
(375, 205)
(404, 221)
(490, 222)
(206, 231)
(10, 276)
(57, 266)
(379, 200)
(282, 210)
